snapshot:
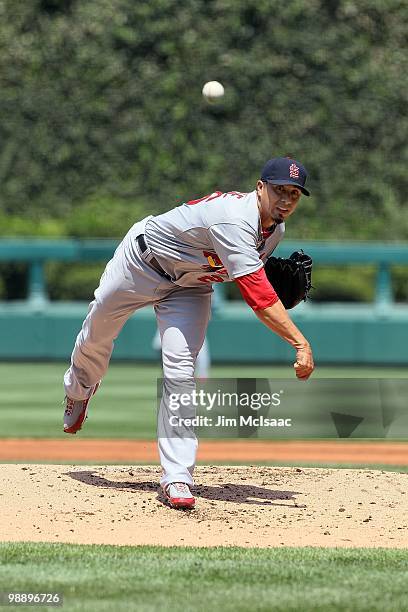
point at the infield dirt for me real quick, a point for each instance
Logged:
(242, 506)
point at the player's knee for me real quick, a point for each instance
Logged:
(181, 367)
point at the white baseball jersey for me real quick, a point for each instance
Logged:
(215, 239)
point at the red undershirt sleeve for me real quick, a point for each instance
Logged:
(256, 290)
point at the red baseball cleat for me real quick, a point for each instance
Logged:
(76, 412)
(179, 495)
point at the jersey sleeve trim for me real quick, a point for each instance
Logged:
(257, 290)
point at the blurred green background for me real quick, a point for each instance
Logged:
(103, 117)
(103, 121)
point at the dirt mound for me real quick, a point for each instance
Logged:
(244, 506)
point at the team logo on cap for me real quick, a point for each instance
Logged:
(293, 171)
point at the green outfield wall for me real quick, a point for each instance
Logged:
(374, 333)
(339, 334)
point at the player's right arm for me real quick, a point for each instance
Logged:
(235, 246)
(277, 319)
(261, 297)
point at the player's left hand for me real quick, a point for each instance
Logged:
(304, 364)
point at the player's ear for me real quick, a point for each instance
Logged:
(260, 186)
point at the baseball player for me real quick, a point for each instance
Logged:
(170, 262)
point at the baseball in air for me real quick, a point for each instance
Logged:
(213, 91)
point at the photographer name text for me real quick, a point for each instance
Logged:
(223, 421)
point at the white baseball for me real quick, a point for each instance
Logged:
(213, 90)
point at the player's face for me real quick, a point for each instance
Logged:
(277, 202)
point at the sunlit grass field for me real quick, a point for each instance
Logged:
(106, 578)
(31, 396)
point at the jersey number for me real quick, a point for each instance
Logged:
(215, 195)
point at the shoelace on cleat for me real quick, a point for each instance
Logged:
(69, 406)
(181, 487)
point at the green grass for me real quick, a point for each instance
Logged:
(31, 402)
(99, 578)
(31, 395)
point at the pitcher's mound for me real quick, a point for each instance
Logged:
(236, 506)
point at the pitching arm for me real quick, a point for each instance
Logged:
(276, 318)
(261, 297)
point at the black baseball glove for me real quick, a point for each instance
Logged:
(291, 278)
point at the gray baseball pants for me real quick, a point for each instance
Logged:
(127, 284)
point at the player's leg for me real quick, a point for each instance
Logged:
(182, 318)
(113, 304)
(203, 362)
(128, 283)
